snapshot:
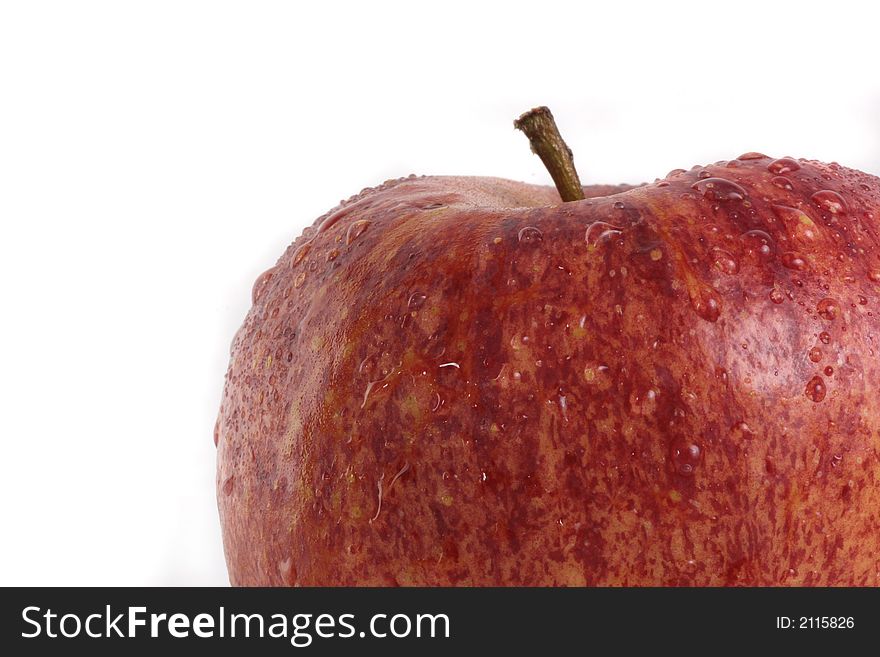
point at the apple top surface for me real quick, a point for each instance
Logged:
(469, 357)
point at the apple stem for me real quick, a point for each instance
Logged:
(547, 143)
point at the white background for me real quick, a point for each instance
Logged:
(155, 157)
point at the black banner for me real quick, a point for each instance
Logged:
(435, 621)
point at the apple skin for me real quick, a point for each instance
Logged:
(462, 381)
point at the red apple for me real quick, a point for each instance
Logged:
(465, 381)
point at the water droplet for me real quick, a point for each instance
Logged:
(781, 182)
(356, 230)
(758, 243)
(825, 337)
(829, 201)
(332, 255)
(815, 389)
(217, 432)
(724, 261)
(783, 165)
(655, 254)
(720, 189)
(752, 155)
(334, 218)
(530, 235)
(742, 431)
(776, 295)
(706, 302)
(793, 260)
(300, 253)
(261, 284)
(416, 300)
(685, 456)
(827, 308)
(862, 300)
(299, 280)
(874, 275)
(600, 231)
(619, 205)
(228, 484)
(815, 354)
(828, 370)
(797, 222)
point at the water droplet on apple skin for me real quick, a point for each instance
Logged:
(825, 337)
(830, 201)
(331, 220)
(724, 261)
(287, 572)
(416, 300)
(720, 189)
(752, 155)
(815, 389)
(261, 285)
(815, 354)
(782, 183)
(355, 230)
(300, 253)
(228, 485)
(530, 236)
(793, 260)
(827, 309)
(685, 457)
(783, 165)
(706, 302)
(758, 243)
(776, 296)
(599, 232)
